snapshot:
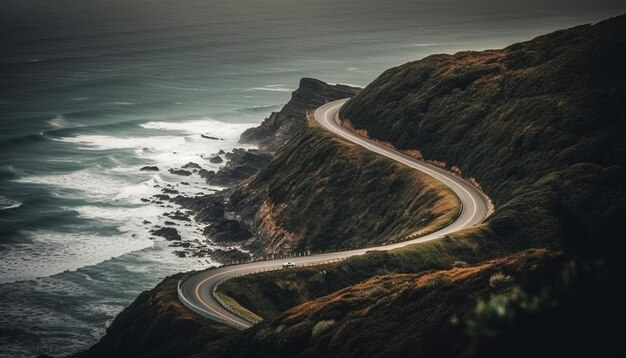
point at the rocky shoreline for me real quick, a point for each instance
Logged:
(220, 217)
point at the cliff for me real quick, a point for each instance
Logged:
(157, 325)
(279, 127)
(320, 193)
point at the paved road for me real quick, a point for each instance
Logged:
(197, 291)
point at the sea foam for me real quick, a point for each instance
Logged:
(51, 253)
(6, 203)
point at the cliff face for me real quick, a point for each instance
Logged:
(157, 325)
(281, 126)
(321, 193)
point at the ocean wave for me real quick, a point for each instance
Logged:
(272, 88)
(50, 253)
(7, 172)
(256, 109)
(193, 89)
(6, 203)
(60, 121)
(108, 142)
(87, 182)
(424, 45)
(345, 84)
(206, 125)
(27, 139)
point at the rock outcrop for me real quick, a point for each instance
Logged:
(168, 233)
(279, 127)
(227, 231)
(207, 208)
(180, 172)
(242, 165)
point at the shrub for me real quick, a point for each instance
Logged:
(322, 326)
(499, 279)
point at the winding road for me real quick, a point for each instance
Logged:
(197, 292)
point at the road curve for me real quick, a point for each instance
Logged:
(198, 291)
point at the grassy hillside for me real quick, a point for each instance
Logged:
(540, 124)
(322, 193)
(419, 314)
(269, 294)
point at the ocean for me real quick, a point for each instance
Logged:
(92, 91)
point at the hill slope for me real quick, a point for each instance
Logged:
(540, 124)
(322, 193)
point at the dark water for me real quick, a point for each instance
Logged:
(91, 91)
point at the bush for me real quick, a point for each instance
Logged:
(322, 326)
(499, 279)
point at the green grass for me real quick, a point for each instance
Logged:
(329, 195)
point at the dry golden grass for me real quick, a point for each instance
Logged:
(391, 286)
(413, 153)
(241, 311)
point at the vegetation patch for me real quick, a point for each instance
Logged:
(321, 193)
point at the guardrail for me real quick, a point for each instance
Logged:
(229, 308)
(246, 316)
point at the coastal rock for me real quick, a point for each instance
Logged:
(191, 165)
(205, 173)
(182, 172)
(279, 127)
(228, 256)
(183, 244)
(242, 165)
(161, 196)
(150, 168)
(207, 208)
(227, 231)
(177, 215)
(216, 159)
(205, 136)
(168, 233)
